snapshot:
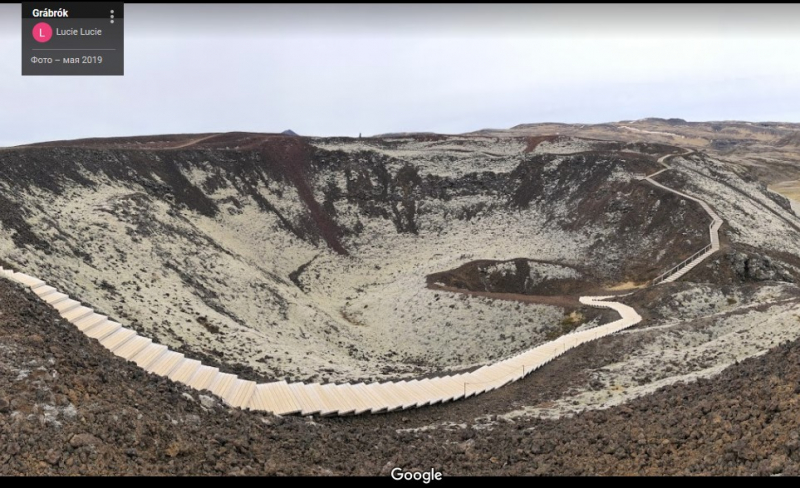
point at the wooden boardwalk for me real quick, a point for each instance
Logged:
(688, 264)
(284, 398)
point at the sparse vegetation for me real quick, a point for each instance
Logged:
(208, 325)
(158, 249)
(568, 323)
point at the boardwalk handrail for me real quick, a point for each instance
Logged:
(282, 398)
(663, 276)
(713, 228)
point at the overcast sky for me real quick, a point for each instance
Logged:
(340, 70)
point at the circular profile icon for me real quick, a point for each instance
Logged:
(42, 32)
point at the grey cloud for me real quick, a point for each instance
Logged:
(341, 70)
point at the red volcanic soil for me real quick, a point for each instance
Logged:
(136, 142)
(291, 155)
(536, 140)
(288, 155)
(226, 140)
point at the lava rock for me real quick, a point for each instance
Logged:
(80, 440)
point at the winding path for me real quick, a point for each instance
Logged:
(689, 263)
(284, 398)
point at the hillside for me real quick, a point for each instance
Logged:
(406, 256)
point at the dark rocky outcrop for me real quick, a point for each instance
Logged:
(758, 267)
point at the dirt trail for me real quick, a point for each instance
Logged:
(194, 141)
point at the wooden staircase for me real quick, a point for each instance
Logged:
(282, 398)
(689, 263)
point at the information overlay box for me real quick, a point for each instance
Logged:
(73, 38)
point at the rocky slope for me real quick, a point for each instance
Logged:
(345, 259)
(273, 256)
(69, 407)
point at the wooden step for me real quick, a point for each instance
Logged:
(203, 377)
(28, 281)
(275, 397)
(166, 363)
(113, 341)
(65, 306)
(239, 393)
(77, 313)
(103, 329)
(90, 321)
(184, 370)
(308, 403)
(54, 298)
(221, 383)
(344, 404)
(132, 347)
(149, 355)
(360, 401)
(43, 291)
(327, 405)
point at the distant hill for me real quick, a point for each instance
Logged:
(289, 132)
(405, 134)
